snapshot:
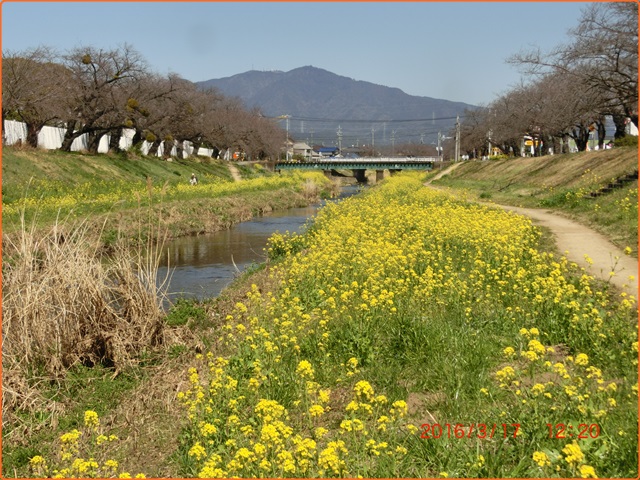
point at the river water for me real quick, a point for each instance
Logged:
(202, 266)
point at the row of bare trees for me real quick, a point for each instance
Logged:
(102, 92)
(568, 92)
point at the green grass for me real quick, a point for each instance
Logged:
(186, 312)
(21, 164)
(82, 389)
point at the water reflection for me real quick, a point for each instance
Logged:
(202, 266)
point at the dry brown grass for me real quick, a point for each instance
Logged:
(310, 189)
(552, 170)
(65, 301)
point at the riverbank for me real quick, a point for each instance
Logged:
(409, 334)
(82, 254)
(409, 323)
(564, 184)
(41, 189)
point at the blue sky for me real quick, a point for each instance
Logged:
(449, 50)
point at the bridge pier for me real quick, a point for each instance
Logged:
(379, 175)
(359, 175)
(327, 173)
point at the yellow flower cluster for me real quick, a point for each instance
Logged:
(82, 454)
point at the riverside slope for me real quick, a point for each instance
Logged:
(577, 241)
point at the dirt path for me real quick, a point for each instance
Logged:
(235, 173)
(578, 241)
(444, 172)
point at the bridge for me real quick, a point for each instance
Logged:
(360, 164)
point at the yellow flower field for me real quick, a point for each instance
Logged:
(48, 197)
(410, 294)
(413, 334)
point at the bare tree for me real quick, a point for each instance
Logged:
(99, 80)
(32, 85)
(473, 132)
(187, 111)
(145, 109)
(603, 58)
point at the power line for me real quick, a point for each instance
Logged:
(351, 120)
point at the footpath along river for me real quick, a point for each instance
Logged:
(202, 266)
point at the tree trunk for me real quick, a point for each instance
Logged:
(619, 120)
(581, 137)
(114, 140)
(166, 151)
(153, 149)
(602, 132)
(93, 141)
(32, 134)
(179, 149)
(196, 146)
(137, 140)
(69, 136)
(515, 149)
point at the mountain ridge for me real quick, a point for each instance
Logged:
(313, 94)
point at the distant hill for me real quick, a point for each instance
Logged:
(319, 102)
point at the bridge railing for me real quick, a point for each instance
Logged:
(366, 163)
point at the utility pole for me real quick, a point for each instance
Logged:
(457, 152)
(393, 143)
(373, 142)
(286, 142)
(339, 140)
(439, 147)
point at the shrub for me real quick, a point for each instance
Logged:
(626, 141)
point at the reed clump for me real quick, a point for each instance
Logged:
(67, 301)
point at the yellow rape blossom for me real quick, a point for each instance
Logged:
(541, 459)
(305, 370)
(587, 471)
(573, 453)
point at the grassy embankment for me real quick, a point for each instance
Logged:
(58, 185)
(560, 182)
(388, 342)
(82, 323)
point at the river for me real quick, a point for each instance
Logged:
(202, 266)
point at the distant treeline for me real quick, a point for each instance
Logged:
(93, 93)
(569, 92)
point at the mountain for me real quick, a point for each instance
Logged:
(320, 102)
